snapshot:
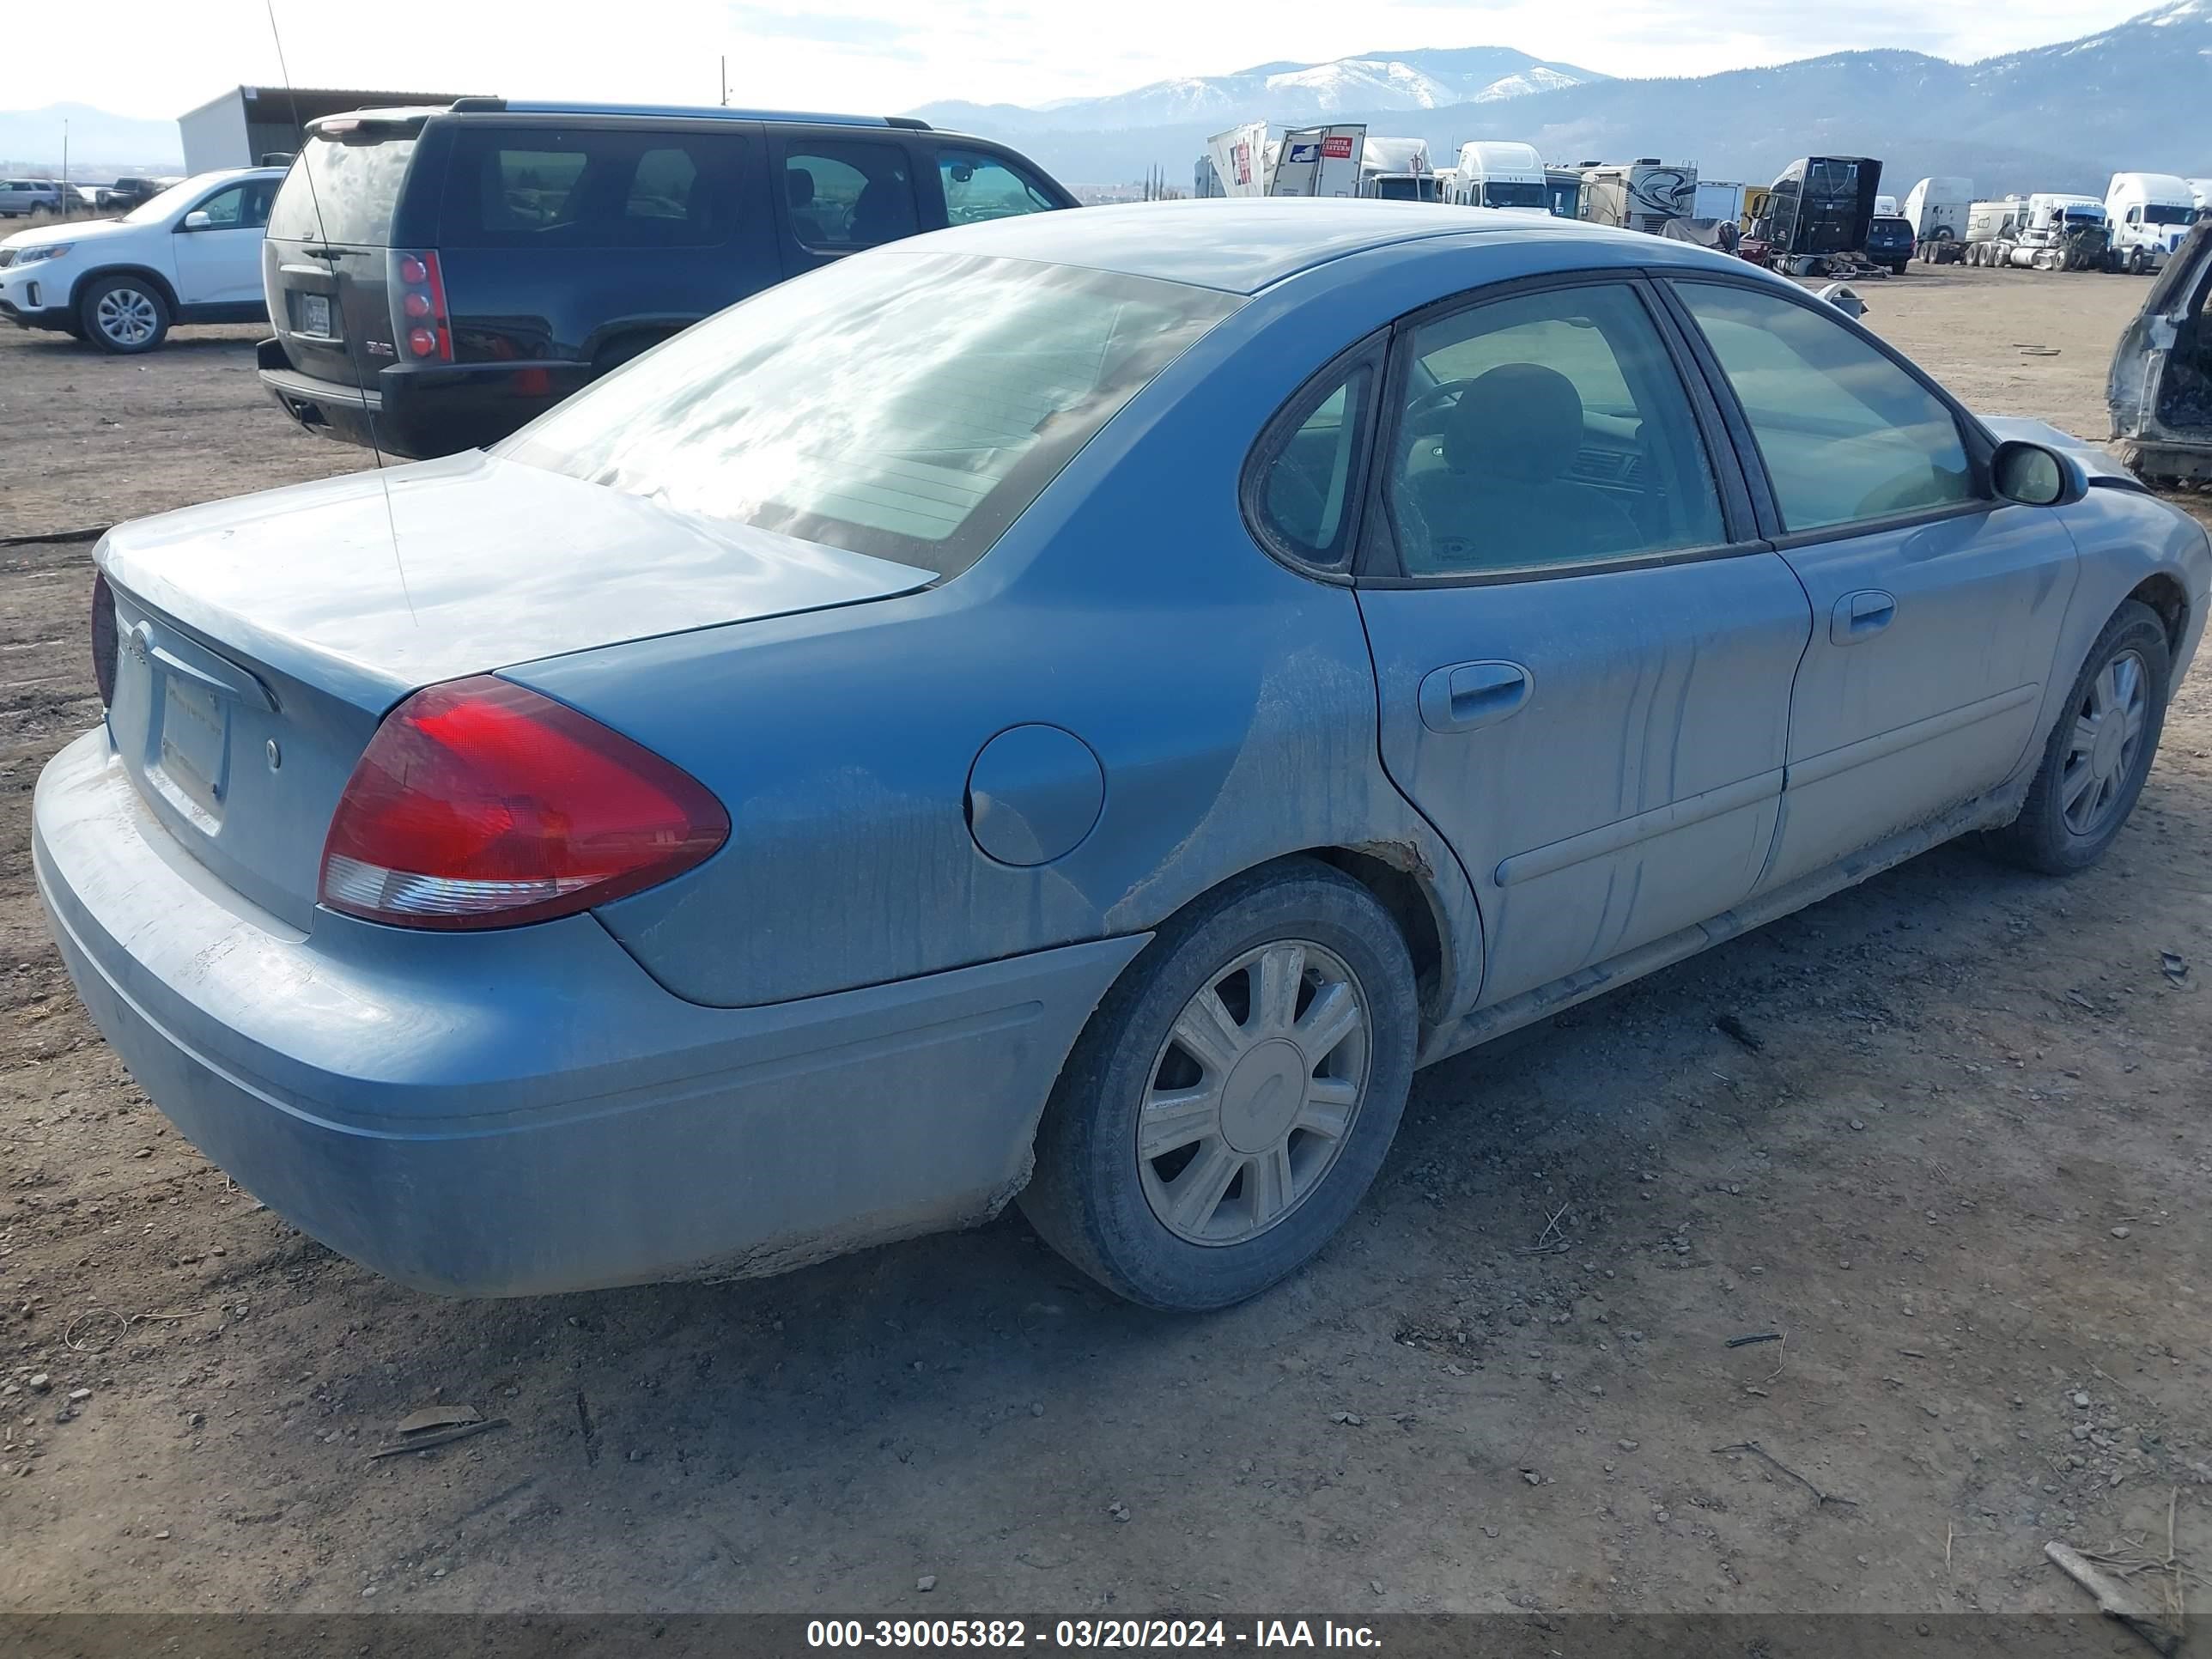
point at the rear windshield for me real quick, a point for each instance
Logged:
(907, 406)
(343, 189)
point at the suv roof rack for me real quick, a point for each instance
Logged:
(688, 112)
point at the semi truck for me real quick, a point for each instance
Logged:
(1395, 170)
(2146, 214)
(1499, 174)
(1818, 210)
(2046, 231)
(1936, 209)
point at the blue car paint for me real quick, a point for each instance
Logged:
(515, 1112)
(846, 1021)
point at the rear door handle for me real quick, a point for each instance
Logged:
(1464, 695)
(1861, 616)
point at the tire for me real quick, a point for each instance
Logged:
(2058, 831)
(1122, 1216)
(123, 315)
(1897, 267)
(2137, 263)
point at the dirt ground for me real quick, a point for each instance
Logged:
(1962, 1174)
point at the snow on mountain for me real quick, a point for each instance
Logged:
(1286, 92)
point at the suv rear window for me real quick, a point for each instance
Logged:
(543, 188)
(901, 405)
(343, 190)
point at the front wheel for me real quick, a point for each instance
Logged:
(2094, 765)
(123, 315)
(1233, 1096)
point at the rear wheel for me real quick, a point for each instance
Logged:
(123, 315)
(1233, 1096)
(2094, 765)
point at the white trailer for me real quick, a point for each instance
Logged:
(2202, 190)
(1937, 208)
(1303, 162)
(2148, 214)
(1500, 174)
(1717, 199)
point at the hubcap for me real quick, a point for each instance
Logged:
(125, 316)
(1254, 1093)
(2107, 734)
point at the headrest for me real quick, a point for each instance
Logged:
(1517, 421)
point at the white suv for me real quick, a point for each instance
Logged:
(190, 255)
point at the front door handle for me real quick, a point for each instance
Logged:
(1466, 695)
(1861, 616)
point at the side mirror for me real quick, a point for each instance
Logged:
(195, 219)
(2032, 475)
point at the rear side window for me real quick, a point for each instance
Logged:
(848, 194)
(545, 189)
(1311, 479)
(343, 190)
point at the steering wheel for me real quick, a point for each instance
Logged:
(1432, 402)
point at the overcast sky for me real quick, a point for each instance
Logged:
(886, 55)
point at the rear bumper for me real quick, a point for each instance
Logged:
(419, 414)
(526, 1111)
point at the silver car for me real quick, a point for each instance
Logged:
(1070, 709)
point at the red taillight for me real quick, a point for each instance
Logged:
(481, 803)
(103, 639)
(418, 305)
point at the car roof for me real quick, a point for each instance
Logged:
(1243, 245)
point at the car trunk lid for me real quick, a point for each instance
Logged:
(261, 641)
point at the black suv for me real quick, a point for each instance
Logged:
(439, 277)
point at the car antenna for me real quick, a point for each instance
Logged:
(322, 233)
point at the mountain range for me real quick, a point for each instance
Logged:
(2136, 97)
(97, 141)
(1430, 78)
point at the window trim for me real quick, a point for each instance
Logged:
(1377, 563)
(1974, 438)
(1359, 482)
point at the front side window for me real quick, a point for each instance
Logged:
(979, 186)
(1846, 435)
(1547, 429)
(1313, 474)
(905, 406)
(846, 194)
(242, 207)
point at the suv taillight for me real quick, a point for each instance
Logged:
(482, 804)
(420, 327)
(103, 639)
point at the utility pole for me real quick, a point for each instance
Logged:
(725, 79)
(63, 205)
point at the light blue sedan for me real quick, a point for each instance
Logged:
(1072, 710)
